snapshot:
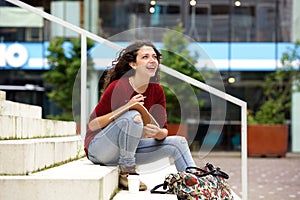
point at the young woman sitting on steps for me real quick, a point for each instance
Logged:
(126, 141)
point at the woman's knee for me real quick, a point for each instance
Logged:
(136, 116)
(132, 123)
(178, 141)
(133, 116)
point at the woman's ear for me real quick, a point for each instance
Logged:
(133, 65)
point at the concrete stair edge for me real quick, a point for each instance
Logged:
(17, 127)
(20, 109)
(20, 157)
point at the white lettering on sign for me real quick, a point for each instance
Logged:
(15, 55)
(2, 55)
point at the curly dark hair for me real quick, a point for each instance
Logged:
(120, 66)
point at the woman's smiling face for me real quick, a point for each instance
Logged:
(146, 62)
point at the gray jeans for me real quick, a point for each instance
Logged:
(121, 143)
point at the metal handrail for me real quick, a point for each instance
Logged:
(83, 71)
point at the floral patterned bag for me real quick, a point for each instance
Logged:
(197, 183)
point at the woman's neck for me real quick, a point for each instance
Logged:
(139, 85)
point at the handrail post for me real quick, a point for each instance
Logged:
(83, 75)
(244, 169)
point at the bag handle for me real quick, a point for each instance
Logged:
(212, 171)
(217, 171)
(196, 168)
(204, 172)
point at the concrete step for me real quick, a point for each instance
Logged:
(19, 109)
(19, 157)
(76, 180)
(17, 127)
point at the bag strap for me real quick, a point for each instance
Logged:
(155, 191)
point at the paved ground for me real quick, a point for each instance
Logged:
(269, 178)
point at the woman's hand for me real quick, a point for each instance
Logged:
(137, 98)
(102, 121)
(152, 131)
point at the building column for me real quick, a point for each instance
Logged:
(92, 92)
(91, 10)
(295, 125)
(91, 19)
(295, 112)
(68, 11)
(295, 21)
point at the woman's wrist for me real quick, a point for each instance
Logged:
(163, 133)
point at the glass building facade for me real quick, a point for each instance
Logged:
(215, 20)
(207, 21)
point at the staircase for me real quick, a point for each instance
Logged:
(43, 159)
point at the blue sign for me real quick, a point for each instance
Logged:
(222, 56)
